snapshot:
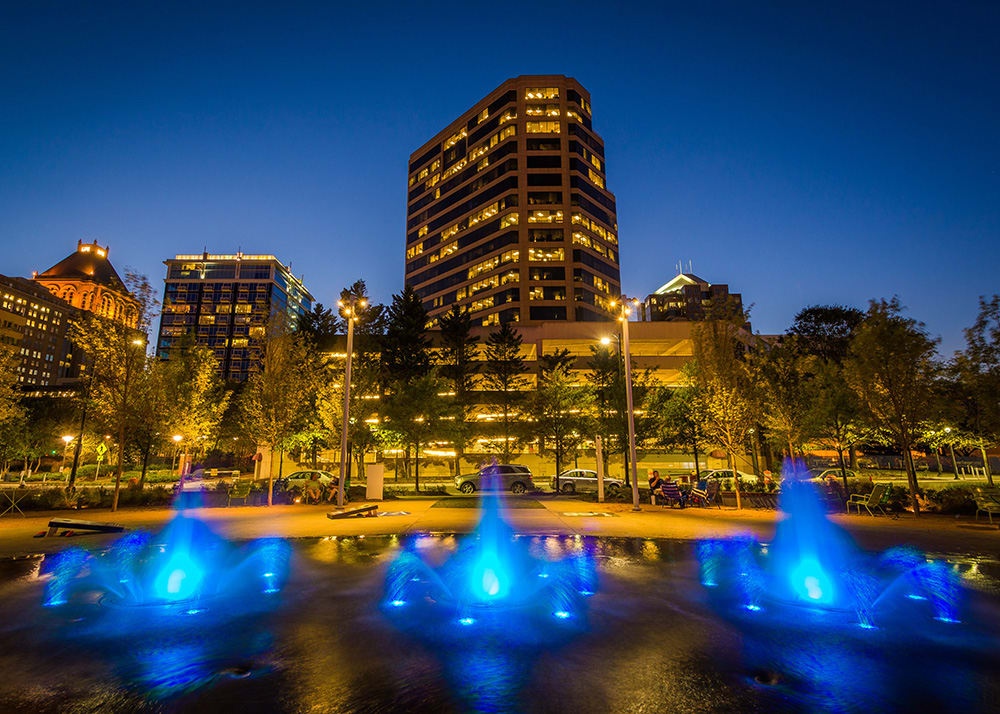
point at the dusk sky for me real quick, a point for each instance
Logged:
(800, 154)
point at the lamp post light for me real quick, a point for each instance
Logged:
(606, 341)
(625, 310)
(951, 448)
(350, 312)
(176, 438)
(66, 442)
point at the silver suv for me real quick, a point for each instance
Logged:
(584, 480)
(503, 477)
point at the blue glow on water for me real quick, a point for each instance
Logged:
(398, 603)
(753, 608)
(561, 614)
(467, 621)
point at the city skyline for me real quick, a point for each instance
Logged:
(864, 170)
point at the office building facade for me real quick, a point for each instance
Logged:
(225, 302)
(508, 212)
(688, 297)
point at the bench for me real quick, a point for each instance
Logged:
(71, 525)
(363, 511)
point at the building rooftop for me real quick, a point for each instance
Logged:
(678, 282)
(89, 262)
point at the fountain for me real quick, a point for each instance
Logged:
(187, 569)
(492, 574)
(813, 564)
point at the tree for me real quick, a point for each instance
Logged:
(785, 392)
(725, 403)
(826, 330)
(458, 366)
(676, 425)
(405, 362)
(10, 396)
(504, 378)
(978, 372)
(891, 366)
(320, 325)
(417, 416)
(116, 352)
(275, 403)
(560, 409)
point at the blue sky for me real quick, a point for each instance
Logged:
(801, 154)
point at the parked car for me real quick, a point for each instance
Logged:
(299, 479)
(504, 477)
(727, 473)
(581, 480)
(824, 474)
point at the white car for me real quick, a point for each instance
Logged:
(582, 480)
(299, 479)
(728, 473)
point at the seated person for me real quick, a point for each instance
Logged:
(312, 490)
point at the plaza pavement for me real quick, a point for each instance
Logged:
(931, 533)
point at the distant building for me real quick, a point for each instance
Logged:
(86, 280)
(508, 213)
(224, 302)
(34, 322)
(687, 297)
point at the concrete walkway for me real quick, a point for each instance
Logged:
(939, 534)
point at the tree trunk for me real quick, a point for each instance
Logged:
(937, 457)
(843, 470)
(314, 460)
(145, 465)
(697, 469)
(270, 477)
(986, 463)
(853, 457)
(557, 468)
(911, 478)
(736, 481)
(416, 467)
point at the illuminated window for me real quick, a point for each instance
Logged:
(436, 165)
(448, 249)
(240, 342)
(422, 232)
(581, 239)
(483, 164)
(508, 132)
(450, 231)
(424, 172)
(509, 115)
(454, 168)
(542, 110)
(257, 331)
(546, 255)
(453, 139)
(512, 277)
(596, 177)
(242, 308)
(541, 93)
(483, 304)
(483, 267)
(602, 284)
(432, 181)
(487, 212)
(483, 116)
(206, 320)
(478, 151)
(542, 127)
(545, 217)
(509, 220)
(492, 319)
(415, 250)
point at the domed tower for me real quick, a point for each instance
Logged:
(87, 280)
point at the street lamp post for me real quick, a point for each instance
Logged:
(951, 448)
(350, 311)
(626, 310)
(66, 442)
(176, 438)
(618, 342)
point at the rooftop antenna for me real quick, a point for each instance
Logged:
(690, 267)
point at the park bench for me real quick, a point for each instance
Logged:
(354, 511)
(72, 525)
(240, 488)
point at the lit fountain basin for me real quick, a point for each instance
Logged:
(813, 574)
(491, 577)
(185, 569)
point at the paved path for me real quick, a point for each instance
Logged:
(932, 533)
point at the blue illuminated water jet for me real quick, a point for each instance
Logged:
(812, 563)
(491, 572)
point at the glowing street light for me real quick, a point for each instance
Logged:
(66, 442)
(350, 312)
(625, 306)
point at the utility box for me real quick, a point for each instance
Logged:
(375, 478)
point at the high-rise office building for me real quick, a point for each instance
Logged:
(508, 213)
(225, 302)
(688, 297)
